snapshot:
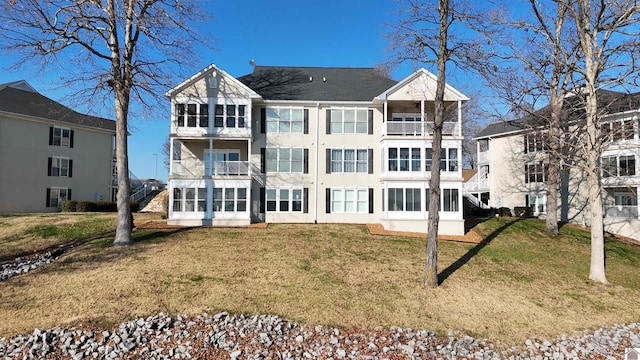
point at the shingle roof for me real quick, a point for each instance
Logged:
(31, 103)
(317, 83)
(610, 102)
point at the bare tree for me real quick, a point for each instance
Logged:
(607, 32)
(123, 49)
(534, 63)
(418, 37)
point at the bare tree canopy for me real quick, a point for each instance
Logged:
(120, 49)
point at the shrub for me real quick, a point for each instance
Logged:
(522, 211)
(106, 206)
(69, 206)
(134, 206)
(86, 206)
(504, 211)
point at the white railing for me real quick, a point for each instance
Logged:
(620, 211)
(197, 168)
(419, 128)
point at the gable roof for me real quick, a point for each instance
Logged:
(15, 100)
(202, 73)
(317, 83)
(610, 102)
(450, 93)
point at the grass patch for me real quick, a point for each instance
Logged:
(522, 284)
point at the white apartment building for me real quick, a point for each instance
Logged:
(311, 145)
(512, 163)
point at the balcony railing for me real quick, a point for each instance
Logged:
(197, 168)
(419, 128)
(620, 211)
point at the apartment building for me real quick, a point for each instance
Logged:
(512, 165)
(50, 153)
(311, 145)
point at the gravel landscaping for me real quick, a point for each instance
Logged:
(224, 336)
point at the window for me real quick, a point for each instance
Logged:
(400, 199)
(285, 120)
(349, 160)
(350, 200)
(59, 166)
(532, 143)
(450, 200)
(284, 200)
(404, 159)
(288, 160)
(193, 115)
(618, 166)
(229, 199)
(202, 199)
(348, 121)
(189, 199)
(60, 136)
(537, 202)
(618, 130)
(535, 173)
(449, 160)
(56, 195)
(177, 199)
(229, 116)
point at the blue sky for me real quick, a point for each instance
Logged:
(276, 32)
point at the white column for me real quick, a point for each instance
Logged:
(170, 156)
(211, 162)
(422, 118)
(384, 117)
(459, 118)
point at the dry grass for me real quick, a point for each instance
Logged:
(25, 234)
(522, 284)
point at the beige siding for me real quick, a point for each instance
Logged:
(24, 153)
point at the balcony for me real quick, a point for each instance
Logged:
(195, 168)
(419, 128)
(621, 211)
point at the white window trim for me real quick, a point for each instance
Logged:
(356, 200)
(291, 161)
(59, 199)
(411, 168)
(223, 200)
(224, 103)
(278, 108)
(355, 160)
(59, 160)
(290, 190)
(355, 120)
(62, 137)
(199, 115)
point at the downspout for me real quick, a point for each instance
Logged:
(317, 167)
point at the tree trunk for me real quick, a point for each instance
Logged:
(597, 269)
(430, 278)
(124, 223)
(553, 165)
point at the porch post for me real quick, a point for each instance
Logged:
(459, 126)
(384, 117)
(210, 164)
(422, 119)
(170, 156)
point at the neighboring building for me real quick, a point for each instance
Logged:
(512, 168)
(50, 153)
(311, 145)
